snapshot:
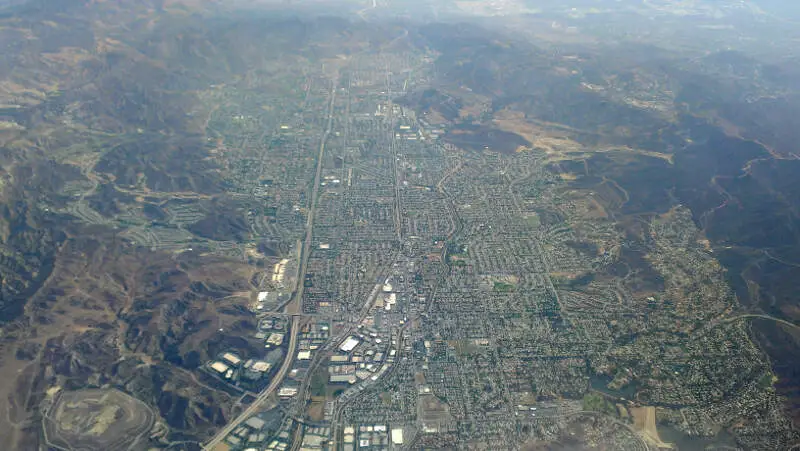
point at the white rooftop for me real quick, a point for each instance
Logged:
(350, 344)
(397, 436)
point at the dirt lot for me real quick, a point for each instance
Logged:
(96, 419)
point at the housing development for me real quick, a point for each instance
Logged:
(346, 225)
(440, 295)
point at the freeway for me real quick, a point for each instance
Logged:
(721, 320)
(764, 317)
(295, 307)
(264, 395)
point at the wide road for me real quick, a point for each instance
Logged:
(265, 394)
(294, 308)
(764, 317)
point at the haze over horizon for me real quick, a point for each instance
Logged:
(399, 224)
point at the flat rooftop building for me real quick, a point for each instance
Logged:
(397, 436)
(231, 358)
(350, 344)
(287, 392)
(219, 367)
(255, 423)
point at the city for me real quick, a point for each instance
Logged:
(440, 294)
(380, 225)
